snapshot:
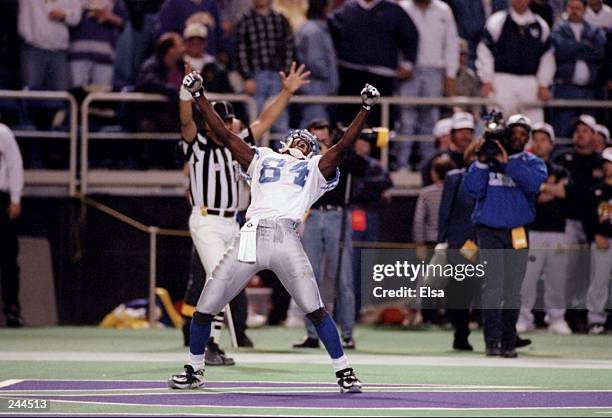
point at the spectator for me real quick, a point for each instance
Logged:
(315, 49)
(369, 197)
(515, 59)
(434, 74)
(600, 228)
(462, 135)
(471, 16)
(162, 73)
(579, 52)
(425, 223)
(262, 54)
(582, 163)
(195, 36)
(505, 189)
(599, 14)
(442, 134)
(327, 242)
(176, 15)
(455, 228)
(11, 188)
(368, 36)
(43, 27)
(9, 45)
(467, 83)
(601, 138)
(544, 10)
(92, 43)
(548, 256)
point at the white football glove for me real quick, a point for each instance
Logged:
(369, 96)
(194, 84)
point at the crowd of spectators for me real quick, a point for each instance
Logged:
(509, 50)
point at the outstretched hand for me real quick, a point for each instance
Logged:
(295, 79)
(194, 84)
(369, 96)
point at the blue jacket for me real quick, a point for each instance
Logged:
(455, 216)
(315, 49)
(506, 199)
(590, 49)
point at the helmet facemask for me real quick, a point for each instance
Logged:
(292, 139)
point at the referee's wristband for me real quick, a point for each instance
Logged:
(184, 95)
(366, 107)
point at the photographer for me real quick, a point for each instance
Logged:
(504, 181)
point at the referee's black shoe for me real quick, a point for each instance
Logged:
(216, 357)
(307, 342)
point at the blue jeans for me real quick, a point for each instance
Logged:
(44, 69)
(562, 118)
(420, 120)
(320, 240)
(315, 110)
(269, 85)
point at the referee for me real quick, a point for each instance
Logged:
(11, 188)
(214, 183)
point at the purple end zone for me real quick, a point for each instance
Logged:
(156, 384)
(365, 400)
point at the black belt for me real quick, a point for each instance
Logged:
(223, 213)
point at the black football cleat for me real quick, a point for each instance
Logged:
(348, 381)
(188, 379)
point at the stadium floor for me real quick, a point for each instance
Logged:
(93, 371)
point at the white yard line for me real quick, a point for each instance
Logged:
(9, 382)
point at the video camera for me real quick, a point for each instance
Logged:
(495, 131)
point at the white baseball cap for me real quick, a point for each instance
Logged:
(442, 127)
(544, 127)
(462, 120)
(603, 131)
(588, 120)
(607, 154)
(519, 119)
(195, 30)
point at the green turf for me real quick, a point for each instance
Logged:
(375, 343)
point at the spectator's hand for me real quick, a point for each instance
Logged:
(250, 87)
(601, 242)
(57, 15)
(404, 73)
(486, 89)
(14, 211)
(194, 84)
(502, 157)
(450, 86)
(369, 96)
(102, 15)
(543, 93)
(476, 149)
(295, 79)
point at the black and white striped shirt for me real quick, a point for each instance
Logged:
(263, 42)
(213, 173)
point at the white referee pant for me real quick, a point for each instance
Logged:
(601, 275)
(548, 261)
(211, 235)
(511, 89)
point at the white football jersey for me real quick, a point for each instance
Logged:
(283, 187)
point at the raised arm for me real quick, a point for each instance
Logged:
(243, 153)
(332, 158)
(189, 130)
(290, 84)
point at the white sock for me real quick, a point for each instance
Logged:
(196, 361)
(340, 363)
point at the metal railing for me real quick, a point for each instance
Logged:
(51, 177)
(163, 178)
(135, 178)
